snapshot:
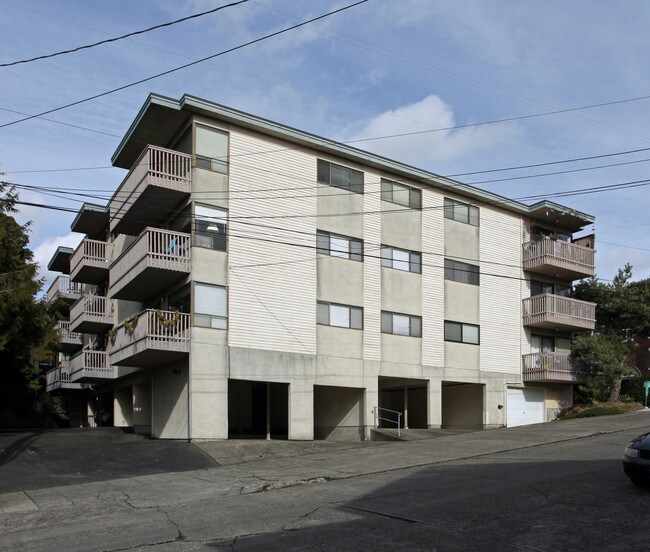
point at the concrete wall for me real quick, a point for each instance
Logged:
(170, 419)
(340, 280)
(123, 406)
(401, 291)
(462, 406)
(338, 413)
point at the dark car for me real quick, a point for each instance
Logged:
(636, 462)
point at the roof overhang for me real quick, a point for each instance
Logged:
(549, 213)
(60, 261)
(161, 118)
(92, 219)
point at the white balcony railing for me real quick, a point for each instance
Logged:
(68, 337)
(149, 331)
(560, 255)
(163, 168)
(59, 378)
(63, 288)
(552, 367)
(548, 310)
(153, 249)
(89, 364)
(90, 313)
(90, 259)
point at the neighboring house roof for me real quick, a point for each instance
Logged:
(160, 119)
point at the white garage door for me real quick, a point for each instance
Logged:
(525, 406)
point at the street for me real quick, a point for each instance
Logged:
(520, 489)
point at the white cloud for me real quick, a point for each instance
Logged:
(43, 253)
(438, 149)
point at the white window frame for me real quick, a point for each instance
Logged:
(213, 163)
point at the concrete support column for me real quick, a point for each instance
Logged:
(123, 407)
(301, 412)
(142, 407)
(434, 420)
(406, 407)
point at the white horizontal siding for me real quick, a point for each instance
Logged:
(372, 268)
(433, 281)
(272, 283)
(501, 285)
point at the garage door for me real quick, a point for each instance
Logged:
(525, 406)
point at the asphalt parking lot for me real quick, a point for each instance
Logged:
(49, 458)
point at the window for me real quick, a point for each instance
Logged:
(210, 227)
(542, 344)
(461, 212)
(401, 259)
(394, 192)
(401, 324)
(537, 288)
(211, 149)
(461, 272)
(462, 333)
(210, 306)
(342, 316)
(339, 246)
(340, 177)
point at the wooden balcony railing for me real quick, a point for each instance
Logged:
(149, 331)
(548, 310)
(68, 337)
(559, 255)
(63, 288)
(551, 367)
(154, 248)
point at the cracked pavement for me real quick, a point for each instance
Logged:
(557, 486)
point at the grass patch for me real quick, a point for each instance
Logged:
(599, 409)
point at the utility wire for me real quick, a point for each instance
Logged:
(186, 65)
(117, 38)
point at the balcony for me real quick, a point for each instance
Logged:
(557, 312)
(70, 341)
(551, 368)
(150, 338)
(90, 261)
(90, 367)
(90, 315)
(559, 259)
(59, 378)
(152, 263)
(63, 289)
(158, 181)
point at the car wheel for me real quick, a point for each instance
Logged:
(638, 481)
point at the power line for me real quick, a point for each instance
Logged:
(118, 38)
(185, 66)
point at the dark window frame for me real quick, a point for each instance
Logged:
(463, 273)
(336, 175)
(453, 207)
(415, 259)
(355, 246)
(461, 326)
(415, 324)
(388, 194)
(350, 308)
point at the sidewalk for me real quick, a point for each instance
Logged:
(257, 466)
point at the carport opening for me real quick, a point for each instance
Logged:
(407, 396)
(338, 413)
(462, 405)
(258, 410)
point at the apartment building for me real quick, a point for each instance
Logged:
(251, 279)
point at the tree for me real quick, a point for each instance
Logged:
(27, 328)
(622, 311)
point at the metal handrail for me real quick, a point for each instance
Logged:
(376, 412)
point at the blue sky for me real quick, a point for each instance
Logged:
(382, 68)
